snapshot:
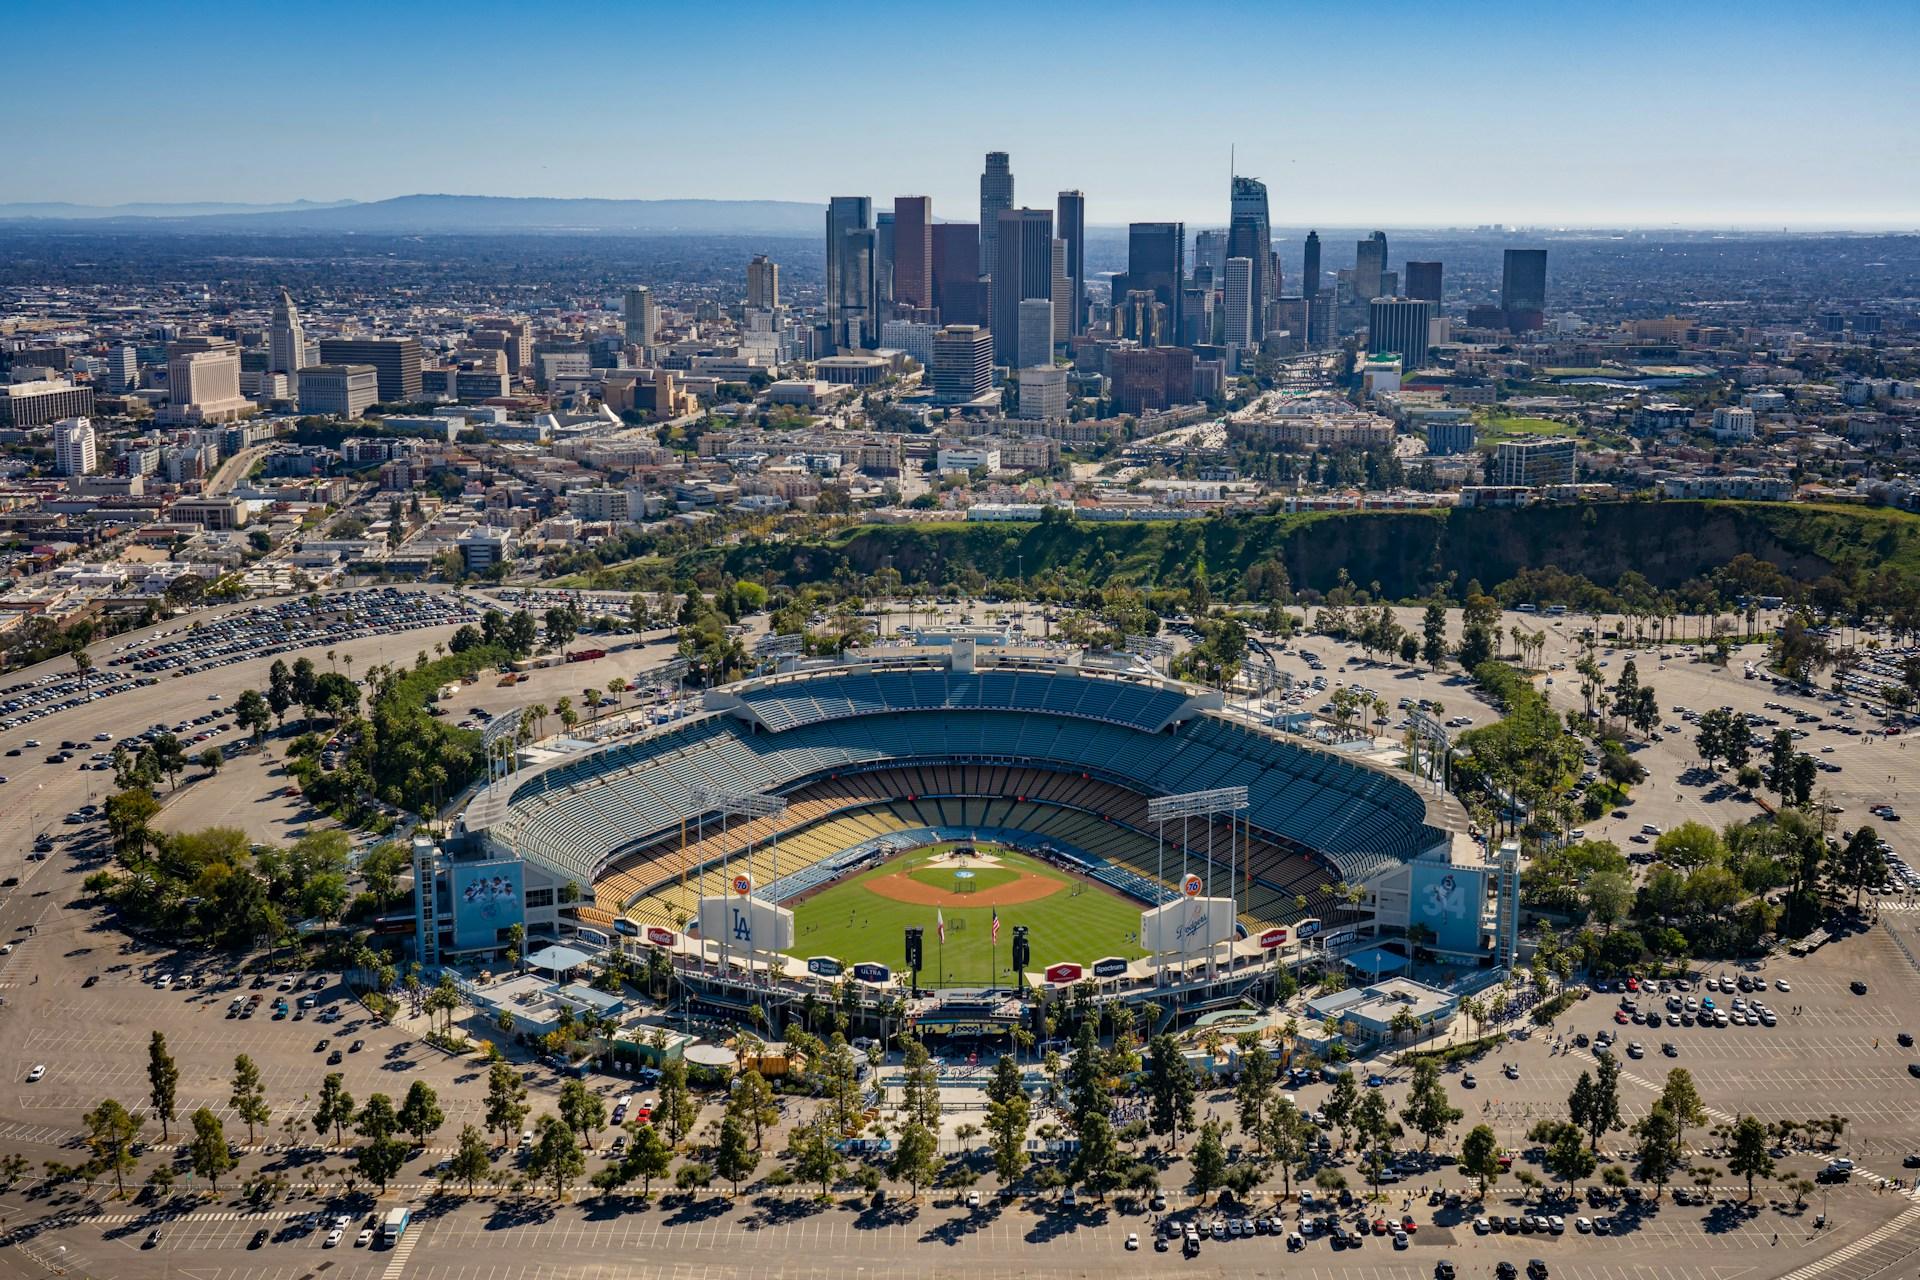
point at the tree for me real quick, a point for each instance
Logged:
(1376, 1130)
(1568, 1156)
(916, 1156)
(1170, 1089)
(581, 1109)
(1429, 1112)
(1289, 1136)
(1209, 1161)
(677, 1110)
(1433, 628)
(1256, 1083)
(1609, 897)
(334, 1111)
(649, 1157)
(506, 1101)
(1480, 1157)
(1097, 1162)
(733, 1158)
(1008, 1114)
(251, 712)
(471, 1161)
(383, 1155)
(1682, 1101)
(208, 1152)
(815, 1159)
(110, 1134)
(1747, 1151)
(163, 1081)
(130, 815)
(249, 1096)
(555, 1158)
(420, 1112)
(1860, 865)
(1341, 1104)
(753, 1101)
(1658, 1154)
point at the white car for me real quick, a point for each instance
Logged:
(1133, 1240)
(334, 1237)
(364, 1239)
(1583, 1225)
(34, 1076)
(1781, 984)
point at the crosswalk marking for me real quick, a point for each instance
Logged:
(1904, 1222)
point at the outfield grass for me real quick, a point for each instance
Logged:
(1080, 922)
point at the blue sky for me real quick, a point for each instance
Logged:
(1386, 113)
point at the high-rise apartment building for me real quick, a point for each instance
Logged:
(1070, 224)
(1423, 282)
(286, 339)
(1523, 288)
(396, 359)
(122, 373)
(1156, 260)
(763, 283)
(996, 197)
(1240, 287)
(1399, 326)
(1534, 463)
(962, 362)
(1370, 267)
(957, 292)
(913, 251)
(642, 321)
(849, 283)
(73, 447)
(1025, 247)
(1310, 267)
(1250, 236)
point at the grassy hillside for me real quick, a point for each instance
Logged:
(1405, 552)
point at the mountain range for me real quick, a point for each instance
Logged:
(419, 214)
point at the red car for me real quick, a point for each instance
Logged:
(1633, 984)
(1379, 1226)
(1408, 1225)
(1620, 1016)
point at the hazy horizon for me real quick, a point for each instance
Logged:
(1761, 116)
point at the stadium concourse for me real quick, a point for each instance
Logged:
(1056, 755)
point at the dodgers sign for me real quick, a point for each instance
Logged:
(746, 924)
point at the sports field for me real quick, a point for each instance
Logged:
(864, 918)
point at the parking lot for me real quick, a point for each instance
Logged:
(1837, 1053)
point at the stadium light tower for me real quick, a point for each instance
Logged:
(751, 805)
(1207, 805)
(1152, 648)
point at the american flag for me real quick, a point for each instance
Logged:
(996, 924)
(940, 923)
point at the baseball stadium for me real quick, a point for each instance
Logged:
(802, 825)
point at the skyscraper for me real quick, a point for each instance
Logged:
(1423, 281)
(1063, 307)
(1523, 288)
(1310, 267)
(1240, 286)
(1156, 257)
(1070, 224)
(287, 341)
(1025, 240)
(1249, 236)
(1034, 344)
(396, 359)
(1370, 267)
(883, 260)
(996, 197)
(913, 251)
(73, 447)
(1400, 326)
(1210, 257)
(962, 362)
(642, 321)
(849, 229)
(957, 292)
(763, 283)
